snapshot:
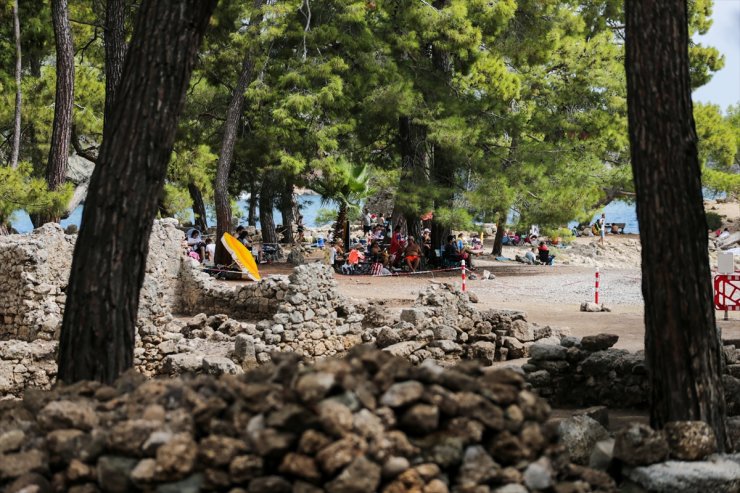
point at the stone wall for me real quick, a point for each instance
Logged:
(34, 271)
(201, 293)
(588, 371)
(33, 276)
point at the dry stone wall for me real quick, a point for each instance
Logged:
(34, 271)
(588, 371)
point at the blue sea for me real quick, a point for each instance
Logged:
(616, 212)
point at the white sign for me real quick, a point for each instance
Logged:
(725, 263)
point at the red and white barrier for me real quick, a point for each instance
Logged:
(462, 263)
(596, 287)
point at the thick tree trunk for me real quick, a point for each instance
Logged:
(267, 221)
(414, 173)
(223, 169)
(115, 51)
(15, 150)
(97, 340)
(56, 167)
(682, 344)
(498, 240)
(199, 207)
(287, 213)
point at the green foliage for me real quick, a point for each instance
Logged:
(326, 216)
(454, 218)
(19, 190)
(177, 201)
(714, 220)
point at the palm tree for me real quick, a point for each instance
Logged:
(346, 185)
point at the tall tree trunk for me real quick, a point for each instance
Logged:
(252, 212)
(15, 151)
(287, 209)
(97, 340)
(115, 51)
(415, 161)
(267, 221)
(223, 169)
(682, 344)
(56, 167)
(199, 207)
(498, 240)
(340, 227)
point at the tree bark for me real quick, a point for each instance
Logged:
(498, 240)
(252, 212)
(287, 209)
(682, 344)
(267, 221)
(56, 167)
(223, 169)
(414, 172)
(97, 339)
(115, 51)
(199, 207)
(15, 151)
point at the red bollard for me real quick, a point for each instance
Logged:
(596, 288)
(462, 262)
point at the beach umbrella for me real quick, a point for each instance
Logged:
(241, 256)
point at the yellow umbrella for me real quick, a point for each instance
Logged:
(241, 256)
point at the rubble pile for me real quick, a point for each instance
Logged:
(588, 371)
(368, 422)
(445, 326)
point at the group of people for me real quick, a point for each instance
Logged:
(539, 255)
(381, 252)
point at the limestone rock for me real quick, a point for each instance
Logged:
(717, 476)
(599, 342)
(579, 435)
(640, 445)
(690, 440)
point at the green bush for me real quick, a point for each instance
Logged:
(714, 221)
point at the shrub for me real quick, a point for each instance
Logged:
(714, 220)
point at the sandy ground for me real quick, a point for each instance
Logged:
(549, 295)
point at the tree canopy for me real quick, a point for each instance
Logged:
(465, 108)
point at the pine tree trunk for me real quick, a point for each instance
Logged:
(682, 344)
(97, 340)
(223, 169)
(16, 149)
(252, 212)
(414, 172)
(498, 240)
(267, 221)
(199, 207)
(56, 167)
(287, 208)
(115, 51)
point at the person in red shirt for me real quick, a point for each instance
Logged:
(397, 245)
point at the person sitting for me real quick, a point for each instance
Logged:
(397, 245)
(412, 254)
(379, 233)
(452, 255)
(545, 256)
(210, 251)
(354, 258)
(196, 244)
(531, 256)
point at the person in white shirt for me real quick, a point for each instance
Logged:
(210, 251)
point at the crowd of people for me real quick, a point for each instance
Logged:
(382, 250)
